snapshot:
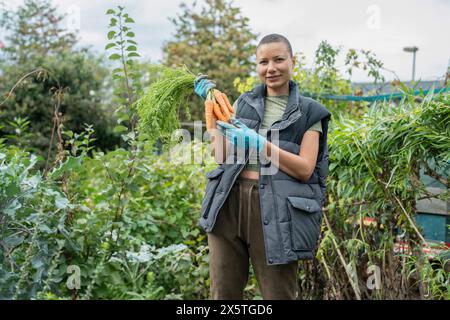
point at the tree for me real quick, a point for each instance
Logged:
(37, 45)
(217, 42)
(35, 30)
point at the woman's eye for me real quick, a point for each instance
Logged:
(263, 62)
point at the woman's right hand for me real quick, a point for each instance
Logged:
(202, 85)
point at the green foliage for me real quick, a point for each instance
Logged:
(44, 77)
(156, 207)
(34, 30)
(370, 63)
(32, 211)
(128, 75)
(374, 173)
(21, 137)
(158, 108)
(79, 76)
(90, 212)
(185, 273)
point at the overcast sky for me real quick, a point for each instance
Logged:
(384, 27)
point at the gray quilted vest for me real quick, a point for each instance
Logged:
(291, 210)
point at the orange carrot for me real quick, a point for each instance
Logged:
(227, 102)
(218, 113)
(222, 104)
(209, 114)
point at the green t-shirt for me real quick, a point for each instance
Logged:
(273, 111)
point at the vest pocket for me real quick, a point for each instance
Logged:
(213, 181)
(306, 216)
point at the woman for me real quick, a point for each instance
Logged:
(251, 211)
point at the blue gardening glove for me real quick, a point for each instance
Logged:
(202, 85)
(243, 136)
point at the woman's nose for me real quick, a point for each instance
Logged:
(271, 68)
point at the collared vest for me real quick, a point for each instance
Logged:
(291, 210)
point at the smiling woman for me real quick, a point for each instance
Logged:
(253, 212)
(275, 64)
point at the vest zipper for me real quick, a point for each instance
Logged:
(276, 218)
(289, 122)
(271, 184)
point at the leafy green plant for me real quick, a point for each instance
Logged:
(374, 174)
(124, 47)
(45, 75)
(21, 136)
(158, 109)
(32, 211)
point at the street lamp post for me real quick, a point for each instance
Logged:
(413, 50)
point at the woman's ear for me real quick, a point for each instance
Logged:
(294, 61)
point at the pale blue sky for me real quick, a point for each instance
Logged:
(384, 27)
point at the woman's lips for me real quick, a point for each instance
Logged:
(273, 78)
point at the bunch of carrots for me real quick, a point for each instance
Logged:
(217, 106)
(158, 108)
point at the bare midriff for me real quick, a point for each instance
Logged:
(249, 174)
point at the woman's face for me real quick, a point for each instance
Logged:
(275, 66)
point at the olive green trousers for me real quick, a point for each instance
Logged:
(236, 238)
